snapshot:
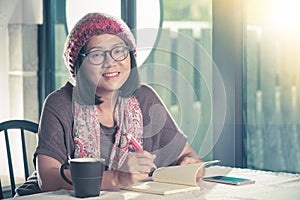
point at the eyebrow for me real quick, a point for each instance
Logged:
(101, 48)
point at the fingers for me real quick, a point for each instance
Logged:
(192, 160)
(189, 160)
(200, 174)
(124, 179)
(139, 162)
(144, 157)
(143, 161)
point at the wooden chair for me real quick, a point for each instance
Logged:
(22, 126)
(1, 193)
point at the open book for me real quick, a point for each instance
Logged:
(172, 179)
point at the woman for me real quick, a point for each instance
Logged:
(105, 110)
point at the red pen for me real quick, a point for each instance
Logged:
(138, 147)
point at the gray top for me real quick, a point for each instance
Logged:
(161, 135)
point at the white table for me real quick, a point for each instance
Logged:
(268, 185)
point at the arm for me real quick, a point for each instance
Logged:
(49, 178)
(137, 168)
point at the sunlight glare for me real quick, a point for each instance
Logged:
(285, 15)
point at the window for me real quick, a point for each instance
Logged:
(179, 68)
(272, 79)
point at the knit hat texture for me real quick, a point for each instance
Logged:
(91, 25)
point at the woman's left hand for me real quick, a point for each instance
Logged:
(191, 160)
(189, 156)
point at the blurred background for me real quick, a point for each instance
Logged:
(228, 71)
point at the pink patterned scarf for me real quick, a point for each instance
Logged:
(86, 130)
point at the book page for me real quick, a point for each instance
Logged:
(181, 174)
(161, 188)
(172, 179)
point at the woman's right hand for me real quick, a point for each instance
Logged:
(125, 179)
(135, 168)
(138, 162)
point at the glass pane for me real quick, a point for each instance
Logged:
(272, 102)
(147, 22)
(179, 67)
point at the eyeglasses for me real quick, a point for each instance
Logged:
(98, 57)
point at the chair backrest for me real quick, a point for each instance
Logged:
(22, 126)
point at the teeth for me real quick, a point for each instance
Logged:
(110, 74)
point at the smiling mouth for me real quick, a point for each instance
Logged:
(111, 75)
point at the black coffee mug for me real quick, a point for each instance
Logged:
(86, 176)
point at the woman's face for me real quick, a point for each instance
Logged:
(111, 74)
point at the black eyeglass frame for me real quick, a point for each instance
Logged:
(127, 48)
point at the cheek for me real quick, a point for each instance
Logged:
(91, 73)
(127, 68)
(127, 64)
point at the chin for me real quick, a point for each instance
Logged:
(107, 88)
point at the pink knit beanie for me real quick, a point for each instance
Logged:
(91, 25)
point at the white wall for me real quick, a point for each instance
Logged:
(18, 70)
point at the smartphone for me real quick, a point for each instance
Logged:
(229, 180)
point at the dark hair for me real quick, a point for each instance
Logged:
(133, 80)
(127, 89)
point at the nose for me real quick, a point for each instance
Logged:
(108, 60)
